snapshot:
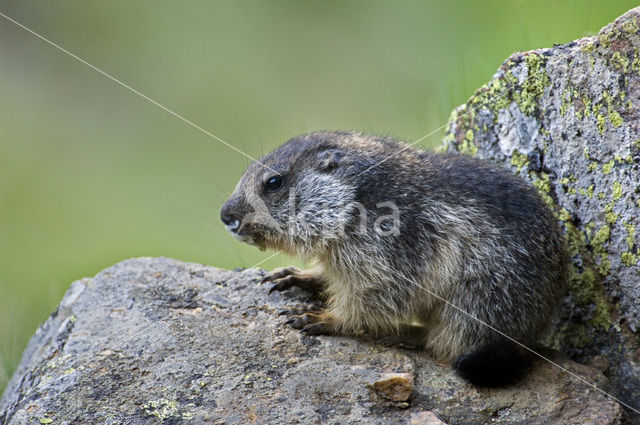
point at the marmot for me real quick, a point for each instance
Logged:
(402, 236)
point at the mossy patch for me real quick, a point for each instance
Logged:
(532, 88)
(519, 160)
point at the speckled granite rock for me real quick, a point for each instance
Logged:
(155, 340)
(567, 119)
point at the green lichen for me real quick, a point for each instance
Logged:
(495, 94)
(161, 409)
(533, 86)
(593, 166)
(631, 234)
(630, 26)
(629, 259)
(600, 238)
(609, 215)
(601, 120)
(563, 214)
(607, 167)
(467, 148)
(601, 195)
(565, 102)
(542, 182)
(45, 420)
(469, 135)
(588, 47)
(587, 106)
(619, 61)
(590, 190)
(519, 160)
(584, 280)
(617, 190)
(615, 118)
(605, 265)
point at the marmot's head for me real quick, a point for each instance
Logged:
(300, 197)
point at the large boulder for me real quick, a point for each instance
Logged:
(155, 340)
(567, 119)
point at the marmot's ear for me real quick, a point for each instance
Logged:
(330, 159)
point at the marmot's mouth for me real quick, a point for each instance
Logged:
(233, 227)
(244, 234)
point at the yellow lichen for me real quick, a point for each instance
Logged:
(619, 61)
(631, 234)
(610, 216)
(519, 160)
(532, 88)
(628, 258)
(615, 118)
(601, 236)
(617, 190)
(605, 265)
(630, 26)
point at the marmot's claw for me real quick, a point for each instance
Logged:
(318, 328)
(290, 311)
(281, 285)
(299, 322)
(279, 274)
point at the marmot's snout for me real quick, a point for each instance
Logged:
(230, 215)
(233, 214)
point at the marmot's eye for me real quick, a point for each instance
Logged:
(274, 183)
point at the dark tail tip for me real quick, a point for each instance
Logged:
(496, 364)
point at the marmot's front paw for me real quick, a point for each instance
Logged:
(286, 277)
(313, 323)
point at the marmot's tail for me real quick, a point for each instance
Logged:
(496, 364)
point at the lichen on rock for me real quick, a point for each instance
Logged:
(566, 119)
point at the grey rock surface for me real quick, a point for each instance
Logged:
(567, 119)
(155, 340)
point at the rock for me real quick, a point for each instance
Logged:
(425, 418)
(155, 340)
(395, 386)
(567, 119)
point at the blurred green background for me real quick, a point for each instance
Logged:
(91, 173)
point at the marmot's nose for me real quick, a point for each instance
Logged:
(229, 217)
